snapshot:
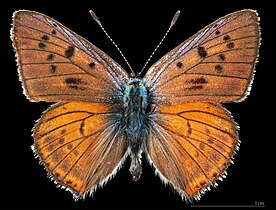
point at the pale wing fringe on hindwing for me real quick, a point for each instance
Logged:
(100, 153)
(170, 143)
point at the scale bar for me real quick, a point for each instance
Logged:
(226, 206)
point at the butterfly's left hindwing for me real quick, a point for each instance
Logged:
(55, 64)
(80, 144)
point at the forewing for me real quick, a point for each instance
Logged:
(216, 64)
(80, 144)
(55, 64)
(191, 145)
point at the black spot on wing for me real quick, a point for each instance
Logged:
(218, 68)
(69, 52)
(72, 80)
(202, 52)
(196, 81)
(179, 64)
(61, 141)
(221, 57)
(91, 65)
(230, 45)
(195, 87)
(226, 38)
(69, 146)
(74, 87)
(50, 57)
(45, 38)
(189, 132)
(81, 128)
(52, 68)
(41, 45)
(75, 83)
(201, 146)
(210, 140)
(75, 152)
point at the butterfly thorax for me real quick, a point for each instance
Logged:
(135, 122)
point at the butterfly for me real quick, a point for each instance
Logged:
(103, 115)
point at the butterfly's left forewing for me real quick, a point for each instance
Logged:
(56, 64)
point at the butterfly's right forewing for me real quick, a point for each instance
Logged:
(216, 64)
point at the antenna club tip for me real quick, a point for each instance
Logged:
(175, 17)
(93, 14)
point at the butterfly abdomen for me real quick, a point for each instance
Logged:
(135, 122)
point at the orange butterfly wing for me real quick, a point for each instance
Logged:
(80, 144)
(55, 64)
(74, 140)
(191, 139)
(216, 64)
(191, 145)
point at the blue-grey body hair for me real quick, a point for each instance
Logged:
(135, 122)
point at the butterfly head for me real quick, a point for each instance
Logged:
(133, 76)
(136, 94)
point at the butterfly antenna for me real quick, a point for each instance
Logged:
(100, 24)
(175, 17)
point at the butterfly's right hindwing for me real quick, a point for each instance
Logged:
(191, 145)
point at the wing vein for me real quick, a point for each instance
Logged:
(88, 147)
(47, 42)
(191, 111)
(69, 123)
(203, 123)
(210, 160)
(88, 50)
(44, 32)
(240, 27)
(49, 76)
(228, 76)
(195, 44)
(81, 68)
(239, 38)
(173, 136)
(163, 147)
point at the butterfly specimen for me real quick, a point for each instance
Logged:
(103, 115)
